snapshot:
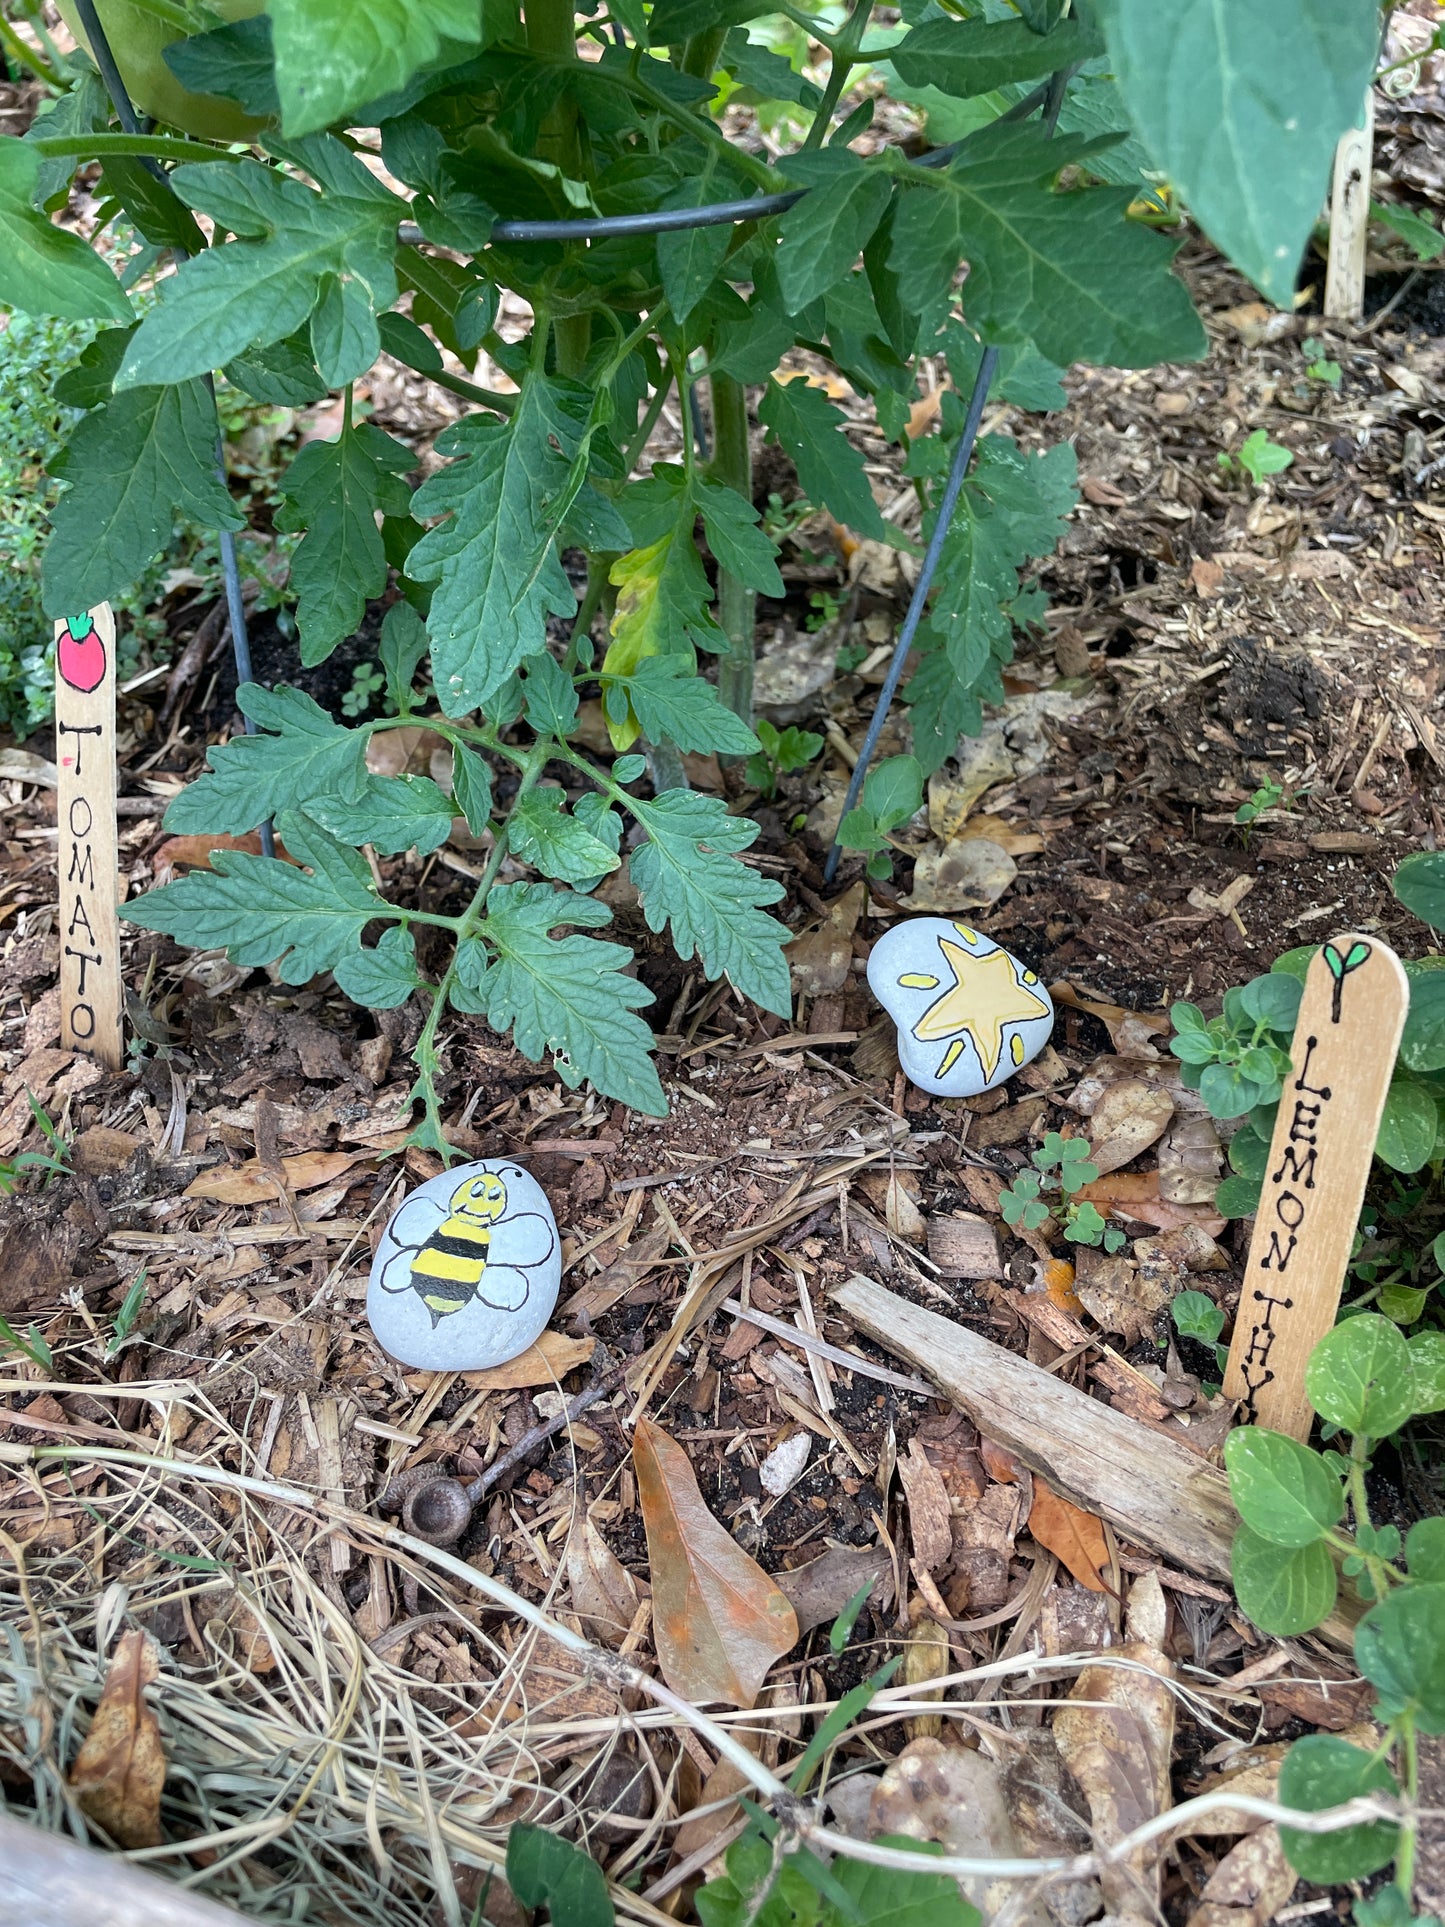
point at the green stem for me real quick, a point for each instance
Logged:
(470, 391)
(732, 465)
(161, 147)
(1359, 1502)
(705, 129)
(586, 609)
(17, 48)
(845, 55)
(648, 423)
(552, 33)
(700, 54)
(1405, 1852)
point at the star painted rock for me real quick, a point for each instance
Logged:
(968, 1013)
(467, 1271)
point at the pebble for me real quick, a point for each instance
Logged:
(969, 1014)
(467, 1271)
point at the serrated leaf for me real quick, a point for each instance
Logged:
(542, 833)
(566, 995)
(688, 259)
(472, 788)
(334, 491)
(382, 978)
(392, 814)
(809, 429)
(262, 910)
(821, 238)
(494, 559)
(673, 704)
(549, 696)
(283, 374)
(969, 57)
(46, 269)
(688, 876)
(403, 644)
(1064, 270)
(234, 61)
(131, 467)
(261, 287)
(737, 540)
(334, 55)
(255, 777)
(662, 601)
(1241, 107)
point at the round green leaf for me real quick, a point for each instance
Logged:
(1248, 1154)
(1284, 1492)
(1427, 1355)
(1422, 1046)
(1360, 1376)
(1419, 883)
(1400, 1648)
(1238, 1197)
(1226, 1092)
(1408, 1126)
(1403, 1303)
(1425, 1551)
(1193, 1047)
(1273, 999)
(1296, 962)
(1321, 1771)
(1283, 1589)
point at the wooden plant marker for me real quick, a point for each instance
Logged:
(91, 998)
(1349, 218)
(1350, 1019)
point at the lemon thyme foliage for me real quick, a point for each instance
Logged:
(326, 183)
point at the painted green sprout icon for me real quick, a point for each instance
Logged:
(1340, 968)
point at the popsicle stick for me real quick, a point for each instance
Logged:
(1345, 1040)
(1349, 219)
(91, 998)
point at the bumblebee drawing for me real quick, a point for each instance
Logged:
(446, 1250)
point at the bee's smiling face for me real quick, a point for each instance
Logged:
(482, 1200)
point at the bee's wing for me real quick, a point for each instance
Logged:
(417, 1219)
(503, 1287)
(524, 1238)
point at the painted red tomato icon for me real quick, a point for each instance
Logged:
(80, 657)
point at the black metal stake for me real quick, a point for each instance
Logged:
(230, 564)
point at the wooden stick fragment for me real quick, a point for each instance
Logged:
(1346, 1036)
(1349, 219)
(91, 999)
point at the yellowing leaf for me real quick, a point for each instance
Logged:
(662, 595)
(718, 1620)
(121, 1766)
(1075, 1537)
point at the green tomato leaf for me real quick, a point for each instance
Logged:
(1360, 1376)
(262, 910)
(1066, 271)
(690, 876)
(1285, 1493)
(494, 558)
(1283, 1589)
(382, 978)
(567, 995)
(543, 1869)
(858, 831)
(673, 704)
(234, 61)
(1400, 1648)
(46, 269)
(472, 788)
(893, 791)
(969, 57)
(392, 814)
(1408, 1126)
(334, 492)
(1419, 883)
(548, 696)
(254, 777)
(824, 234)
(130, 468)
(736, 539)
(809, 430)
(1241, 107)
(1321, 1771)
(335, 55)
(884, 1897)
(543, 834)
(688, 259)
(297, 248)
(403, 644)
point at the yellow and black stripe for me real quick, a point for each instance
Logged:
(450, 1266)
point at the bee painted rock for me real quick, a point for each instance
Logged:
(467, 1271)
(969, 1014)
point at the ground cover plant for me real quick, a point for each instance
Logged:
(492, 129)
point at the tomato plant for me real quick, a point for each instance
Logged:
(416, 157)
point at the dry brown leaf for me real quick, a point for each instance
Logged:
(1122, 1297)
(541, 1364)
(1249, 1886)
(1128, 1118)
(1116, 1737)
(1075, 1538)
(1064, 993)
(820, 1590)
(820, 958)
(604, 1593)
(1191, 1161)
(943, 1793)
(999, 1462)
(121, 1766)
(1058, 1276)
(969, 873)
(250, 1183)
(718, 1620)
(926, 1656)
(930, 1517)
(1135, 1194)
(195, 852)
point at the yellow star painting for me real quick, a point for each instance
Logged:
(987, 993)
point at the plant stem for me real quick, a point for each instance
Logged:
(586, 609)
(1359, 1502)
(648, 423)
(162, 147)
(1405, 1852)
(700, 54)
(552, 32)
(16, 47)
(732, 465)
(844, 50)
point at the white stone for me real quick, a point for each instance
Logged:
(467, 1271)
(969, 1014)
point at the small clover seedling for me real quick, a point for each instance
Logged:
(1318, 366)
(1258, 457)
(1300, 1509)
(1061, 1164)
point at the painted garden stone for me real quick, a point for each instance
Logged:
(467, 1271)
(968, 1012)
